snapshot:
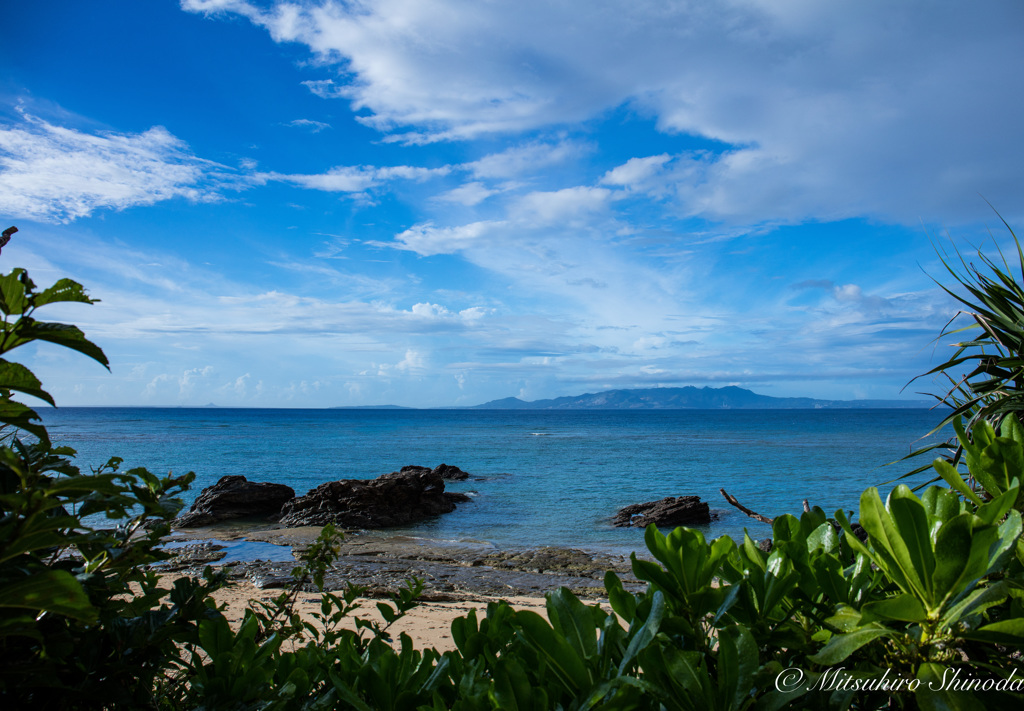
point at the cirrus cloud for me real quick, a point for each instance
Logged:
(56, 174)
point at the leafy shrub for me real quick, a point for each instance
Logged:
(81, 624)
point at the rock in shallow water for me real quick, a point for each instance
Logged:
(450, 471)
(235, 497)
(445, 471)
(671, 511)
(394, 499)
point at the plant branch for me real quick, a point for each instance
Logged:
(753, 514)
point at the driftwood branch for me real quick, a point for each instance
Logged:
(753, 514)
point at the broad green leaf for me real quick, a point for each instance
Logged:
(890, 552)
(738, 654)
(952, 477)
(561, 658)
(23, 417)
(851, 539)
(15, 376)
(828, 570)
(54, 591)
(59, 333)
(824, 537)
(15, 289)
(846, 618)
(1012, 429)
(952, 555)
(346, 693)
(786, 528)
(904, 607)
(998, 464)
(812, 520)
(842, 646)
(622, 602)
(573, 620)
(63, 290)
(780, 580)
(682, 668)
(46, 536)
(1007, 632)
(937, 693)
(991, 512)
(645, 635)
(732, 595)
(387, 612)
(941, 504)
(512, 689)
(911, 520)
(975, 603)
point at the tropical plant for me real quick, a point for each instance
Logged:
(991, 320)
(81, 618)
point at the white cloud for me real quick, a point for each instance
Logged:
(355, 179)
(325, 88)
(469, 194)
(427, 240)
(239, 387)
(827, 110)
(309, 125)
(54, 174)
(474, 313)
(566, 204)
(636, 172)
(414, 361)
(186, 383)
(430, 310)
(525, 159)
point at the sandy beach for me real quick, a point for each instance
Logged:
(429, 624)
(457, 577)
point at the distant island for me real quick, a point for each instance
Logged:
(692, 398)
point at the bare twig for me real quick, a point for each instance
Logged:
(732, 500)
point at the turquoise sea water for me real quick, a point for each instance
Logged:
(541, 477)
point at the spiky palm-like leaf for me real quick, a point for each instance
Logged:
(991, 324)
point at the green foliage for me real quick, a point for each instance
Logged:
(993, 300)
(83, 623)
(991, 391)
(18, 303)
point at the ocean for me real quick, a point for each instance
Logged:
(540, 477)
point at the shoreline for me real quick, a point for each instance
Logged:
(451, 571)
(458, 576)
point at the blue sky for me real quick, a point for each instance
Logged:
(434, 203)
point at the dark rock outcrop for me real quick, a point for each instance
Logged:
(445, 471)
(668, 512)
(394, 499)
(450, 471)
(235, 497)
